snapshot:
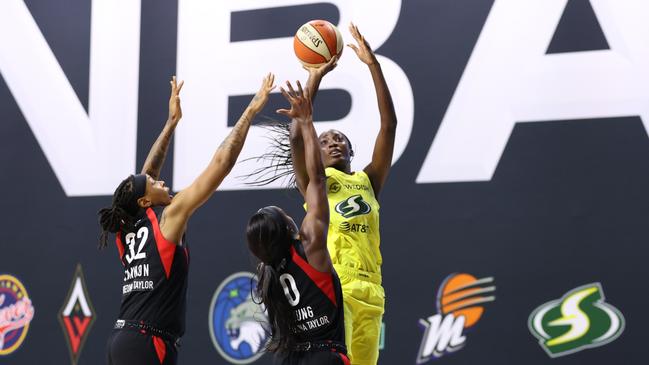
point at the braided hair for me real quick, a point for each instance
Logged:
(277, 160)
(122, 213)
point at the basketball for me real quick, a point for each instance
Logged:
(316, 42)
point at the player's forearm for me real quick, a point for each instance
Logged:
(158, 153)
(297, 157)
(312, 156)
(313, 83)
(231, 147)
(383, 96)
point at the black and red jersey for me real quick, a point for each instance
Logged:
(316, 299)
(154, 288)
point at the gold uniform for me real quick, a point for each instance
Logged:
(353, 241)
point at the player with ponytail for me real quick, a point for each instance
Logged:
(297, 283)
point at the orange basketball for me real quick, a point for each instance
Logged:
(316, 42)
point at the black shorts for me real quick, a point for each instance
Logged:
(312, 358)
(127, 347)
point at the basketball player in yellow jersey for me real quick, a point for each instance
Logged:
(353, 238)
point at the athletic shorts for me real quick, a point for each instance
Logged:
(364, 300)
(126, 347)
(312, 358)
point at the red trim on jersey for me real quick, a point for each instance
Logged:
(323, 280)
(344, 358)
(160, 348)
(120, 247)
(166, 248)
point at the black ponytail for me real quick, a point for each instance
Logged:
(271, 294)
(114, 218)
(269, 238)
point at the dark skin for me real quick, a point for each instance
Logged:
(335, 148)
(313, 231)
(173, 222)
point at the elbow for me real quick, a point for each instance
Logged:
(320, 179)
(389, 124)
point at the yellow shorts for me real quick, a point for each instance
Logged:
(364, 302)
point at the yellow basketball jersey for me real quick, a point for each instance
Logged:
(353, 239)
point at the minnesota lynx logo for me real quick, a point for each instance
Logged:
(580, 320)
(353, 206)
(238, 325)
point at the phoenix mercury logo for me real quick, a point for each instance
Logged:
(580, 320)
(16, 313)
(353, 206)
(459, 305)
(77, 315)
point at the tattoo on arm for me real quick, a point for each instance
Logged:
(234, 141)
(158, 153)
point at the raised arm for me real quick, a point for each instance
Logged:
(313, 232)
(297, 145)
(158, 152)
(378, 168)
(182, 206)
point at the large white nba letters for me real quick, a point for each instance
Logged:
(215, 68)
(89, 152)
(510, 79)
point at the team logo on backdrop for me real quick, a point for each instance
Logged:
(76, 315)
(238, 325)
(16, 313)
(580, 320)
(353, 206)
(460, 301)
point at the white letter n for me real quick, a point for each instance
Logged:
(89, 152)
(509, 79)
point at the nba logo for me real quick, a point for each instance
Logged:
(237, 323)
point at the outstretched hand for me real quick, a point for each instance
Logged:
(362, 49)
(323, 69)
(261, 97)
(175, 112)
(300, 100)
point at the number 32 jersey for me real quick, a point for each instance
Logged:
(154, 288)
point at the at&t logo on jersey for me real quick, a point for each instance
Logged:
(237, 324)
(77, 315)
(459, 306)
(16, 312)
(580, 320)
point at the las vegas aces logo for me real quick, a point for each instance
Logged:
(76, 315)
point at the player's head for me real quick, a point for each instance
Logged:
(132, 195)
(336, 150)
(270, 233)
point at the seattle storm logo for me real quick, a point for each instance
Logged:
(238, 325)
(580, 320)
(353, 206)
